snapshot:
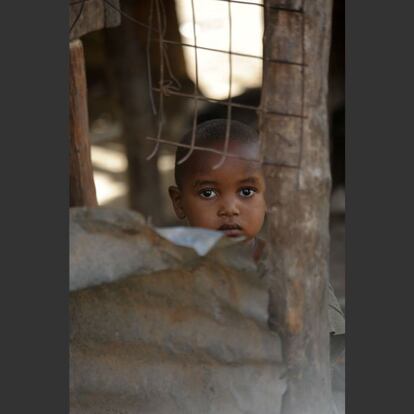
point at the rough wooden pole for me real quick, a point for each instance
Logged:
(82, 185)
(298, 202)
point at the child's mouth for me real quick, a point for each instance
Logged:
(231, 230)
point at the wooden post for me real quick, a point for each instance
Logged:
(82, 185)
(298, 202)
(127, 59)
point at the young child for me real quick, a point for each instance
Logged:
(231, 198)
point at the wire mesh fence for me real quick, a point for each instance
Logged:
(167, 85)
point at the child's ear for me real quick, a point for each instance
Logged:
(175, 195)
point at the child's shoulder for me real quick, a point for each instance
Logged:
(335, 313)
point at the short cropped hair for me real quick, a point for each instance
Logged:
(210, 132)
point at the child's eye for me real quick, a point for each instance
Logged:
(208, 193)
(247, 192)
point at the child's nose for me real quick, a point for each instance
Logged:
(229, 208)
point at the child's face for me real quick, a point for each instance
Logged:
(228, 199)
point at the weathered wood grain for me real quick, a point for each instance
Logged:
(299, 201)
(82, 186)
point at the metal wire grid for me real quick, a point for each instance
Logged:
(170, 86)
